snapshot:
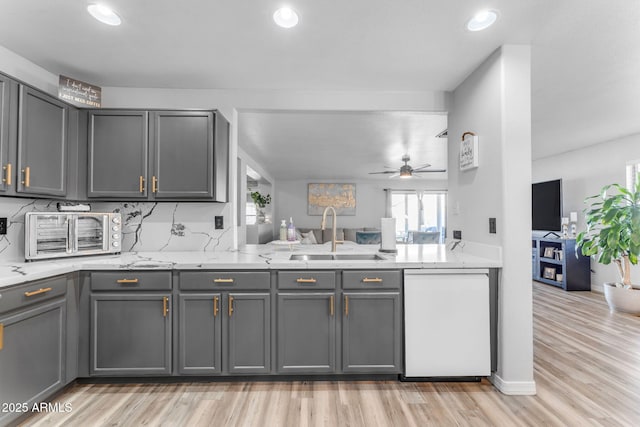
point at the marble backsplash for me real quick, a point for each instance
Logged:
(147, 226)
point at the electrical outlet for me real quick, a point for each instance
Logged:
(219, 224)
(3, 226)
(492, 225)
(457, 234)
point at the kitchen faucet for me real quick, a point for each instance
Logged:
(334, 240)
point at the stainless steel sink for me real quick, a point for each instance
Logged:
(336, 257)
(311, 257)
(358, 257)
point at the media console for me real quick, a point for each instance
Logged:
(560, 263)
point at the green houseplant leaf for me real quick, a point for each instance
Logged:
(613, 227)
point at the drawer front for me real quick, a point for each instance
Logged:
(32, 292)
(371, 279)
(131, 280)
(306, 279)
(203, 280)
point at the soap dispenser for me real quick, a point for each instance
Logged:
(283, 230)
(291, 231)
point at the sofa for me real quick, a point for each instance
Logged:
(347, 234)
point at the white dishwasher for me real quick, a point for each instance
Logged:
(447, 323)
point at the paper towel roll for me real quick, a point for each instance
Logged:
(388, 231)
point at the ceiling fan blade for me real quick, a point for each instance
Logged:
(426, 165)
(383, 172)
(430, 171)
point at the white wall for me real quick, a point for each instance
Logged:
(584, 172)
(495, 103)
(291, 201)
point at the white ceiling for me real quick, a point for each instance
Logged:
(585, 54)
(345, 145)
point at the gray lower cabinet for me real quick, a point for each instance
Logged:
(371, 332)
(130, 334)
(200, 334)
(225, 324)
(249, 333)
(32, 356)
(42, 144)
(306, 336)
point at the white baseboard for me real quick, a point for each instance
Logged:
(513, 388)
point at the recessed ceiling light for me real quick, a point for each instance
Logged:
(285, 17)
(104, 14)
(482, 20)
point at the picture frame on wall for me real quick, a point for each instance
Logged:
(469, 151)
(340, 196)
(549, 273)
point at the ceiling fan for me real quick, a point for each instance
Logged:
(406, 171)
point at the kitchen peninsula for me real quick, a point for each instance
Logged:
(247, 312)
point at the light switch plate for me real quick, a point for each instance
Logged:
(219, 223)
(3, 226)
(457, 234)
(492, 225)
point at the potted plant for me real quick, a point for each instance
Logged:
(261, 202)
(613, 235)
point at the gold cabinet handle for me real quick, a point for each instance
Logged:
(127, 281)
(27, 176)
(154, 184)
(230, 305)
(141, 183)
(219, 280)
(7, 179)
(165, 306)
(372, 280)
(1, 336)
(215, 306)
(331, 305)
(38, 292)
(346, 306)
(303, 280)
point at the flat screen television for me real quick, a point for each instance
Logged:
(546, 205)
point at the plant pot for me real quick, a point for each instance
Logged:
(626, 300)
(260, 216)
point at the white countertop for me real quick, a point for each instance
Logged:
(257, 257)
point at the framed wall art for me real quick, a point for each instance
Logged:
(341, 196)
(469, 151)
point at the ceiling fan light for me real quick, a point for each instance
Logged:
(405, 173)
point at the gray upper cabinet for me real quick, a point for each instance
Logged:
(42, 144)
(306, 335)
(8, 102)
(130, 334)
(157, 155)
(118, 154)
(371, 332)
(183, 154)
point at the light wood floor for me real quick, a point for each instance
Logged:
(587, 372)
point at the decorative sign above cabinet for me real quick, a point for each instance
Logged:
(79, 93)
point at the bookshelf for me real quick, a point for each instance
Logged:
(557, 262)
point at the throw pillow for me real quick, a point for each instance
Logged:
(308, 238)
(368, 237)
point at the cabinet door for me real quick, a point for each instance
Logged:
(306, 332)
(249, 337)
(130, 334)
(7, 138)
(42, 144)
(118, 153)
(182, 154)
(200, 331)
(371, 332)
(32, 354)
